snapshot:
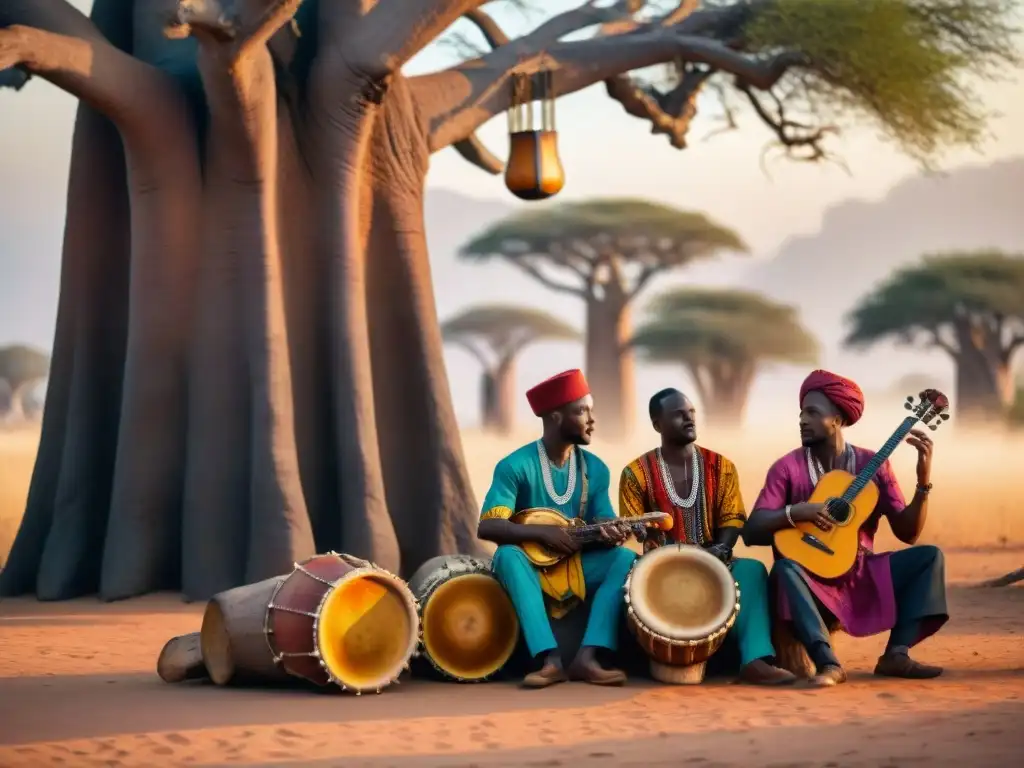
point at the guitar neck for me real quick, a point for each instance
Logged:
(585, 531)
(871, 468)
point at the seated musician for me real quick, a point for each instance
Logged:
(901, 591)
(700, 490)
(554, 472)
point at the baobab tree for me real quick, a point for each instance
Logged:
(496, 335)
(723, 339)
(970, 305)
(604, 252)
(245, 290)
(21, 367)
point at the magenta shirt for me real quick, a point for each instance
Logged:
(863, 599)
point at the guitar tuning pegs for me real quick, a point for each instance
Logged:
(933, 427)
(909, 405)
(944, 416)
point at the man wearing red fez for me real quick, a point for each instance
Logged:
(903, 592)
(555, 472)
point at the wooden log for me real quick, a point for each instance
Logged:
(1006, 580)
(234, 645)
(182, 659)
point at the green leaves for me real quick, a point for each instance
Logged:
(506, 328)
(927, 296)
(903, 64)
(633, 228)
(696, 326)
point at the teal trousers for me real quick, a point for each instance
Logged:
(604, 573)
(752, 630)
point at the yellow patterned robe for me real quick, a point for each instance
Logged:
(642, 489)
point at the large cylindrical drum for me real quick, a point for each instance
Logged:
(342, 620)
(681, 602)
(468, 623)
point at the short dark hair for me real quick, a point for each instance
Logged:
(654, 406)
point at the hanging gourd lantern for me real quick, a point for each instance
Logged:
(534, 170)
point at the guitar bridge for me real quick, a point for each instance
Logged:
(817, 543)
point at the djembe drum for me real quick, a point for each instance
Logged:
(335, 619)
(680, 603)
(469, 626)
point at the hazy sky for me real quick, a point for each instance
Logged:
(603, 150)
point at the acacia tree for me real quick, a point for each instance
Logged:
(495, 335)
(604, 252)
(969, 305)
(21, 367)
(245, 291)
(723, 338)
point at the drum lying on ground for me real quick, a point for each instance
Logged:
(335, 619)
(681, 601)
(468, 623)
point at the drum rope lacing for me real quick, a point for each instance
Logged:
(365, 568)
(693, 504)
(549, 484)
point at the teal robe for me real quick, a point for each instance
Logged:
(518, 484)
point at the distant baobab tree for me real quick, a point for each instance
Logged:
(495, 335)
(969, 305)
(604, 252)
(22, 367)
(722, 338)
(245, 285)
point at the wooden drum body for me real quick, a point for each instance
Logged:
(469, 625)
(339, 619)
(680, 603)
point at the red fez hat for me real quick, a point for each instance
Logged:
(561, 389)
(843, 392)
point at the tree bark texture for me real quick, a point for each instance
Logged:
(247, 364)
(723, 387)
(610, 366)
(984, 377)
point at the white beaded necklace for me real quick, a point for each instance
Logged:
(847, 461)
(549, 485)
(670, 485)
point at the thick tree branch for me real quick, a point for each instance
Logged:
(1011, 348)
(546, 281)
(670, 113)
(489, 28)
(133, 95)
(937, 341)
(245, 25)
(459, 100)
(394, 31)
(474, 150)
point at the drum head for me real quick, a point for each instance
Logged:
(367, 629)
(470, 628)
(682, 593)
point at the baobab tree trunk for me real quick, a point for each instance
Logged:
(984, 378)
(725, 393)
(609, 365)
(488, 401)
(505, 395)
(261, 377)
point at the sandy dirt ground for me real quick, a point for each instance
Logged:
(78, 688)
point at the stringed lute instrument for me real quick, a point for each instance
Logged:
(850, 500)
(542, 557)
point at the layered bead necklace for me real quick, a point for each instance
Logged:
(693, 505)
(549, 485)
(847, 461)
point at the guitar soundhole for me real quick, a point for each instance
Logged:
(839, 510)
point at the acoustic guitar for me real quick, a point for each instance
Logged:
(849, 501)
(542, 557)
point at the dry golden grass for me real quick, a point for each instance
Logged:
(974, 504)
